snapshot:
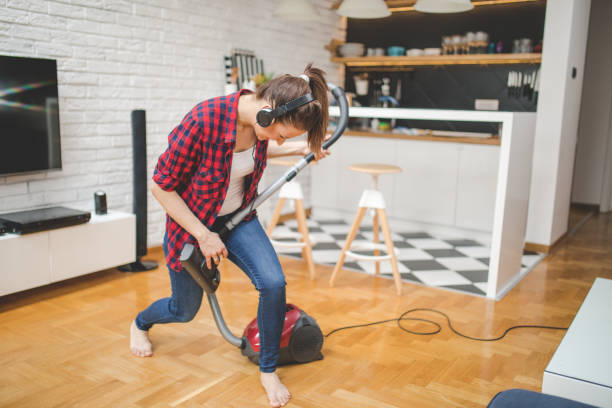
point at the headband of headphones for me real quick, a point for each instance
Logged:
(266, 116)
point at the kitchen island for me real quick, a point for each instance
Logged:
(472, 185)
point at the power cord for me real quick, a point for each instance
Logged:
(439, 328)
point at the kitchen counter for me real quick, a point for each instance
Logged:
(465, 184)
(432, 136)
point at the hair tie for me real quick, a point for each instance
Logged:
(305, 78)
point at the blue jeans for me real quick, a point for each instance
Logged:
(250, 249)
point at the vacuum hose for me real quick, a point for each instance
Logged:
(192, 258)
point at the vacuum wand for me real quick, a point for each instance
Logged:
(192, 258)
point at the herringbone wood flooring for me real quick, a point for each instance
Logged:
(67, 344)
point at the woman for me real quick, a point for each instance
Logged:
(211, 168)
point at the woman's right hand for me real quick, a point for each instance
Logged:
(212, 248)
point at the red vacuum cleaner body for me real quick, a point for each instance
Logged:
(301, 339)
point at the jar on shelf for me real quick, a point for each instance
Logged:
(526, 45)
(481, 42)
(470, 39)
(447, 45)
(457, 42)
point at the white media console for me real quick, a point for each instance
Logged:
(37, 259)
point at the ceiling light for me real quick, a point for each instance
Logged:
(443, 6)
(364, 9)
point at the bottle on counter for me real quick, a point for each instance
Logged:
(500, 47)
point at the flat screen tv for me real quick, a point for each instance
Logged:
(29, 115)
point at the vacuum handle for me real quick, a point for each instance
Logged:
(342, 122)
(193, 261)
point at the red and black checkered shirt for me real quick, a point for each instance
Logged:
(197, 166)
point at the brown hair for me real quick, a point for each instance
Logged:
(312, 117)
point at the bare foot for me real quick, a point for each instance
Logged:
(140, 345)
(278, 394)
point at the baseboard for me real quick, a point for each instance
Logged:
(545, 249)
(586, 207)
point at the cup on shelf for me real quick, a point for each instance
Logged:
(361, 86)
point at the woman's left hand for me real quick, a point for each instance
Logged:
(321, 154)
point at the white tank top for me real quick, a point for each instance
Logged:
(243, 164)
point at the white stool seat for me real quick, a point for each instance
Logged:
(291, 190)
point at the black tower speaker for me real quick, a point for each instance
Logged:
(139, 155)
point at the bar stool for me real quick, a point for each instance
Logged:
(292, 190)
(371, 199)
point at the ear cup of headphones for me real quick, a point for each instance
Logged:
(265, 117)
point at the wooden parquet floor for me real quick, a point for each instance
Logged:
(66, 345)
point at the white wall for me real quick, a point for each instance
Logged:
(565, 35)
(163, 56)
(596, 110)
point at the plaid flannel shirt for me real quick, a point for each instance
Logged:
(197, 166)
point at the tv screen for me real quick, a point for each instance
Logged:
(29, 115)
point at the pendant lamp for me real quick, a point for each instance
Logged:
(443, 6)
(296, 10)
(364, 9)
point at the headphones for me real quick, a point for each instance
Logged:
(266, 116)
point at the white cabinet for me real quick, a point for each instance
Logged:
(28, 261)
(426, 189)
(476, 184)
(24, 262)
(448, 184)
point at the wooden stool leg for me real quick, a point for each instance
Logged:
(390, 249)
(376, 251)
(275, 216)
(303, 228)
(349, 240)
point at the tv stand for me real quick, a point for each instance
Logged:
(37, 259)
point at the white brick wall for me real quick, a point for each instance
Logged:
(163, 56)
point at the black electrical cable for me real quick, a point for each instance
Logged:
(439, 328)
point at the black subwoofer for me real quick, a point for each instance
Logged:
(139, 160)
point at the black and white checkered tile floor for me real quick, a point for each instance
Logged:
(450, 263)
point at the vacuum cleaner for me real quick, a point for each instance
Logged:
(301, 339)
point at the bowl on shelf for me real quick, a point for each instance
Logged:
(414, 52)
(432, 51)
(351, 50)
(396, 51)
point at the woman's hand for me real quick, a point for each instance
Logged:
(321, 154)
(212, 248)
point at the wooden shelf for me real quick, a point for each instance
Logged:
(469, 59)
(495, 140)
